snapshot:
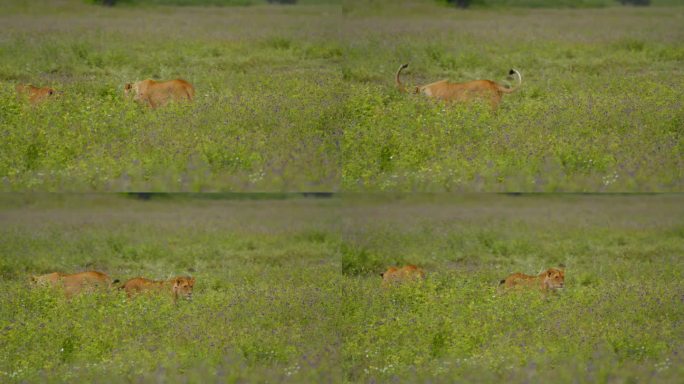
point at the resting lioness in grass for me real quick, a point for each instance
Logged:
(158, 93)
(74, 283)
(176, 286)
(552, 278)
(34, 94)
(398, 275)
(484, 90)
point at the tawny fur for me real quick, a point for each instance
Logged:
(159, 93)
(74, 283)
(33, 94)
(483, 90)
(398, 275)
(180, 286)
(552, 278)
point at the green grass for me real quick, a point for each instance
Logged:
(267, 287)
(599, 108)
(265, 115)
(617, 320)
(302, 98)
(288, 289)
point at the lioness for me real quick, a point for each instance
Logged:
(177, 286)
(485, 90)
(74, 283)
(552, 278)
(399, 275)
(156, 94)
(34, 94)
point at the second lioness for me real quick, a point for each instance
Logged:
(176, 286)
(483, 90)
(399, 275)
(552, 278)
(34, 94)
(73, 283)
(158, 93)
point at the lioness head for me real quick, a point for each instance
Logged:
(132, 90)
(182, 286)
(129, 90)
(388, 272)
(403, 274)
(45, 280)
(35, 94)
(553, 278)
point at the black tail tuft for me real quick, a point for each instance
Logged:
(511, 72)
(404, 66)
(502, 282)
(116, 281)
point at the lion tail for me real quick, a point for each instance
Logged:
(502, 282)
(397, 80)
(512, 72)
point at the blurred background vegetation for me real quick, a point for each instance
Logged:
(557, 3)
(211, 2)
(458, 3)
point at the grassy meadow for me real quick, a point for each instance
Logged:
(600, 108)
(293, 98)
(288, 289)
(263, 308)
(619, 319)
(265, 117)
(302, 98)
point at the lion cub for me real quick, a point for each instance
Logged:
(552, 278)
(398, 275)
(34, 94)
(159, 93)
(176, 286)
(74, 283)
(484, 90)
